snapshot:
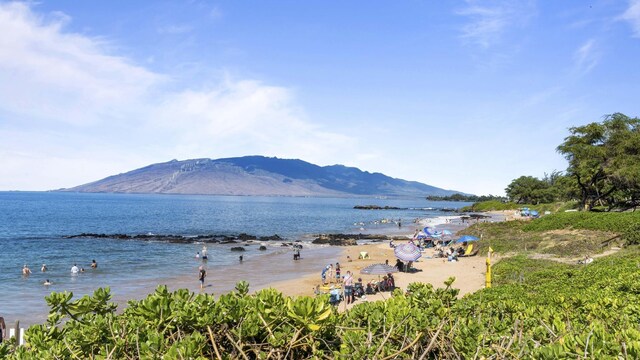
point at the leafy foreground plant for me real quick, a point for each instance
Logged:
(556, 312)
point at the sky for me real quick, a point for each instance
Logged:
(463, 95)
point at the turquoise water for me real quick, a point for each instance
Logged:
(33, 226)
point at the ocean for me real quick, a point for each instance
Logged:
(33, 227)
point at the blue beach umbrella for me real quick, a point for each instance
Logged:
(407, 252)
(466, 238)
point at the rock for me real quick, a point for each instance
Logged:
(336, 240)
(377, 207)
(228, 242)
(270, 238)
(238, 248)
(245, 237)
(262, 247)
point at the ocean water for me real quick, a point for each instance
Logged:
(33, 226)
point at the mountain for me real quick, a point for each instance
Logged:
(256, 175)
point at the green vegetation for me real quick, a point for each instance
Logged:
(604, 168)
(539, 309)
(499, 205)
(461, 197)
(511, 237)
(626, 224)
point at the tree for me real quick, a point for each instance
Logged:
(604, 160)
(528, 190)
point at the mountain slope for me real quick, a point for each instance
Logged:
(257, 175)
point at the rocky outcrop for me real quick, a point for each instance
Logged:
(377, 207)
(238, 248)
(210, 238)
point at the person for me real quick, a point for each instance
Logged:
(46, 282)
(198, 255)
(348, 288)
(330, 273)
(349, 258)
(392, 245)
(391, 282)
(74, 269)
(358, 288)
(3, 329)
(369, 290)
(25, 270)
(204, 253)
(94, 264)
(81, 269)
(324, 274)
(399, 265)
(337, 273)
(386, 262)
(43, 268)
(202, 273)
(240, 258)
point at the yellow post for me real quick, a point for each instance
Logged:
(488, 274)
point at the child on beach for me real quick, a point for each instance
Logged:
(202, 273)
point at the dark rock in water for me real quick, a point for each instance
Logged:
(270, 238)
(228, 242)
(238, 248)
(245, 237)
(377, 207)
(336, 240)
(262, 247)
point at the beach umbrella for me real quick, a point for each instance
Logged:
(427, 230)
(407, 252)
(466, 238)
(379, 269)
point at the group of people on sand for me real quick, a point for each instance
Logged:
(44, 268)
(347, 282)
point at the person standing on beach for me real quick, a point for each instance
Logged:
(201, 275)
(348, 287)
(324, 274)
(338, 273)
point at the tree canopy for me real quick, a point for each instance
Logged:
(603, 169)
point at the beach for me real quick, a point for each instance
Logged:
(469, 272)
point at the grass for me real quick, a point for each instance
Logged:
(513, 237)
(495, 205)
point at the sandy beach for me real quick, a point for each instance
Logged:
(469, 272)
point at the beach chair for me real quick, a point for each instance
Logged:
(363, 255)
(470, 251)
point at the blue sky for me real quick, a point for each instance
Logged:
(464, 95)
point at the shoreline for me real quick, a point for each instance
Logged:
(278, 270)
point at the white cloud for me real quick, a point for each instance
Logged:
(632, 15)
(489, 20)
(586, 57)
(72, 112)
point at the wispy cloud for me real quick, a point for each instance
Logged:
(586, 57)
(489, 20)
(632, 15)
(67, 102)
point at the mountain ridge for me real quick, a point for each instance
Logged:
(257, 175)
